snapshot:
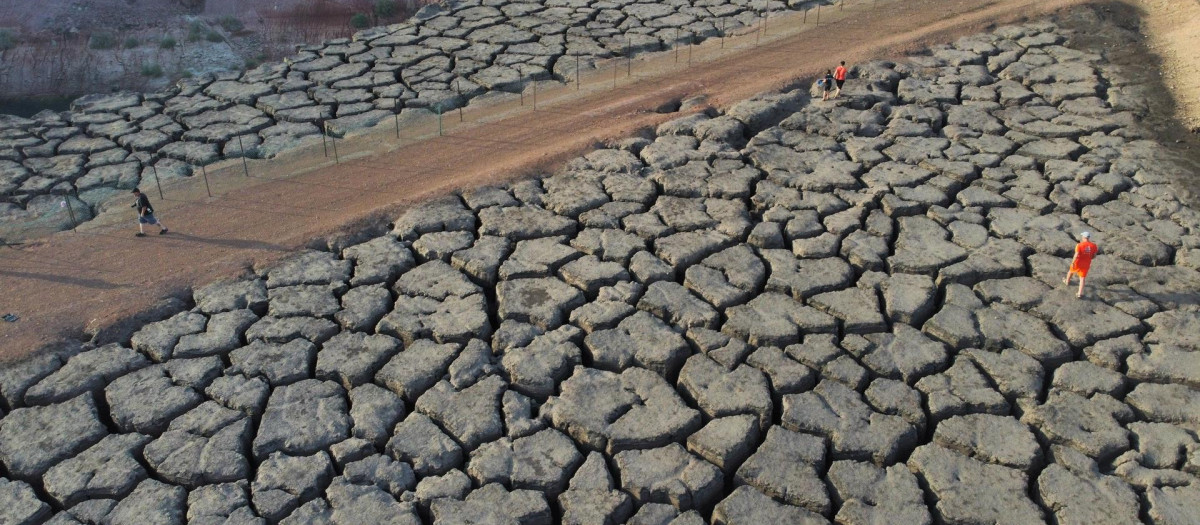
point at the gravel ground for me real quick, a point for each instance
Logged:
(793, 311)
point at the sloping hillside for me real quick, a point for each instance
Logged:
(66, 48)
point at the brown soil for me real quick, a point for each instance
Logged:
(71, 285)
(1173, 30)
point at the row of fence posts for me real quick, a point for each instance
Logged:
(762, 30)
(66, 202)
(690, 43)
(329, 136)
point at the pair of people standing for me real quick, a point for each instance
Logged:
(836, 77)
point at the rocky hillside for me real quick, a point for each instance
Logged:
(64, 48)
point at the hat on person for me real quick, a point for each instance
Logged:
(1086, 235)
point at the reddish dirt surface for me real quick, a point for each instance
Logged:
(74, 285)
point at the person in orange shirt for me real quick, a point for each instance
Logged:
(1084, 252)
(839, 76)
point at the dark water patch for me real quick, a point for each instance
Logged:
(30, 106)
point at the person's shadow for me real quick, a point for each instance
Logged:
(241, 244)
(99, 284)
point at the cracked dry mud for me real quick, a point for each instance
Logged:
(448, 54)
(792, 312)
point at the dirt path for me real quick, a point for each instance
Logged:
(72, 284)
(1173, 28)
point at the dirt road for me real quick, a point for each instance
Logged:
(1173, 28)
(72, 284)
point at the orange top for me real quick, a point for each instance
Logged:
(839, 73)
(1084, 251)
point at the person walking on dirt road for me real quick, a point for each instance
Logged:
(146, 214)
(839, 76)
(1084, 252)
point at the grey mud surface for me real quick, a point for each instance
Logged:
(792, 312)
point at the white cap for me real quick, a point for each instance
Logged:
(1086, 235)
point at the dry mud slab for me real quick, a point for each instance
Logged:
(446, 55)
(793, 312)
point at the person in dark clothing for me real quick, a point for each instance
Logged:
(145, 214)
(827, 84)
